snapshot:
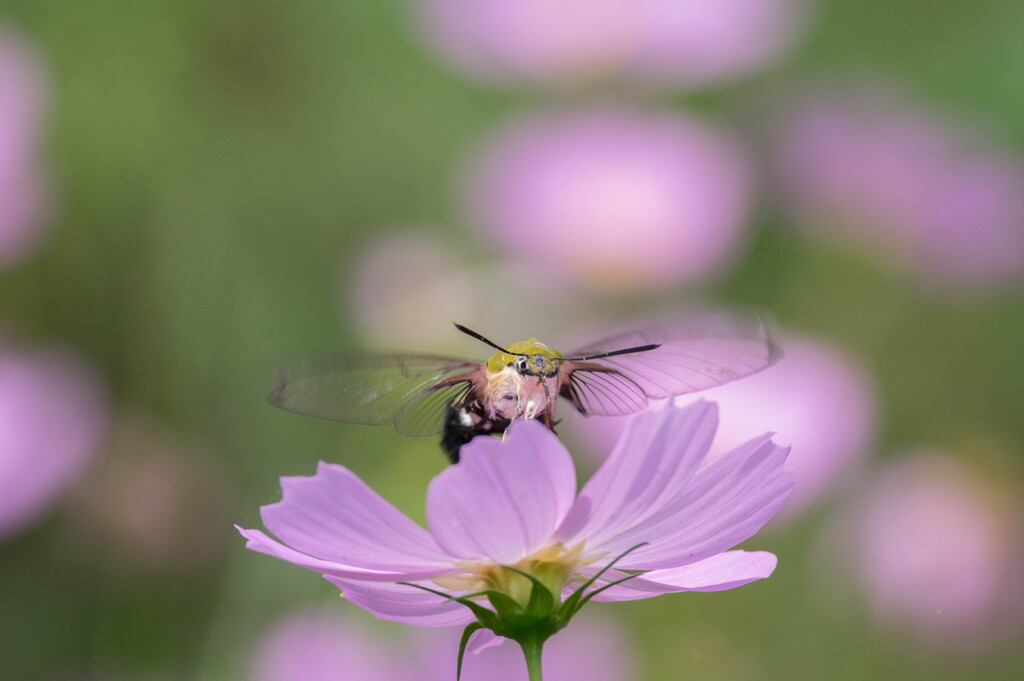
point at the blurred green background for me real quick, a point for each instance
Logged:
(219, 168)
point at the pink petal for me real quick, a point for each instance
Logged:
(726, 570)
(820, 402)
(505, 499)
(402, 603)
(483, 640)
(334, 516)
(724, 503)
(261, 543)
(652, 463)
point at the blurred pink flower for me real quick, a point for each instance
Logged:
(885, 175)
(408, 284)
(153, 503)
(23, 190)
(515, 503)
(937, 551)
(53, 414)
(318, 645)
(613, 199)
(822, 402)
(322, 646)
(568, 42)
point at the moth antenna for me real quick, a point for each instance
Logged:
(474, 334)
(613, 353)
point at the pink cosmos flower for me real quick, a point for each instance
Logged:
(613, 199)
(320, 645)
(514, 503)
(880, 173)
(23, 191)
(937, 549)
(409, 284)
(822, 401)
(567, 42)
(53, 415)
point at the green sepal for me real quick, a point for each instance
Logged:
(504, 605)
(530, 625)
(470, 629)
(575, 601)
(586, 599)
(542, 601)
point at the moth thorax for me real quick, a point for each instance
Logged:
(541, 366)
(532, 358)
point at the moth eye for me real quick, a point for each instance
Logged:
(520, 364)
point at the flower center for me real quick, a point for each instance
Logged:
(553, 566)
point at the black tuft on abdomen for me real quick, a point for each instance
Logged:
(462, 424)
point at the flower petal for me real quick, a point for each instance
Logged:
(726, 570)
(261, 543)
(403, 603)
(336, 517)
(503, 500)
(724, 503)
(655, 458)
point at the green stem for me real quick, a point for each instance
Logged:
(532, 651)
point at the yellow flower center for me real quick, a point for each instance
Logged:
(554, 566)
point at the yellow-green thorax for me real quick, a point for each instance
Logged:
(542, 358)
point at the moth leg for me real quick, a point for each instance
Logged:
(504, 433)
(549, 413)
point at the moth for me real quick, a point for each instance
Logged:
(424, 394)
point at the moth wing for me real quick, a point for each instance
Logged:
(401, 390)
(594, 389)
(425, 413)
(696, 352)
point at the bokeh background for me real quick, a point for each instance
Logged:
(191, 190)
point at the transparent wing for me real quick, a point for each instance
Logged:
(593, 389)
(425, 413)
(696, 352)
(406, 391)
